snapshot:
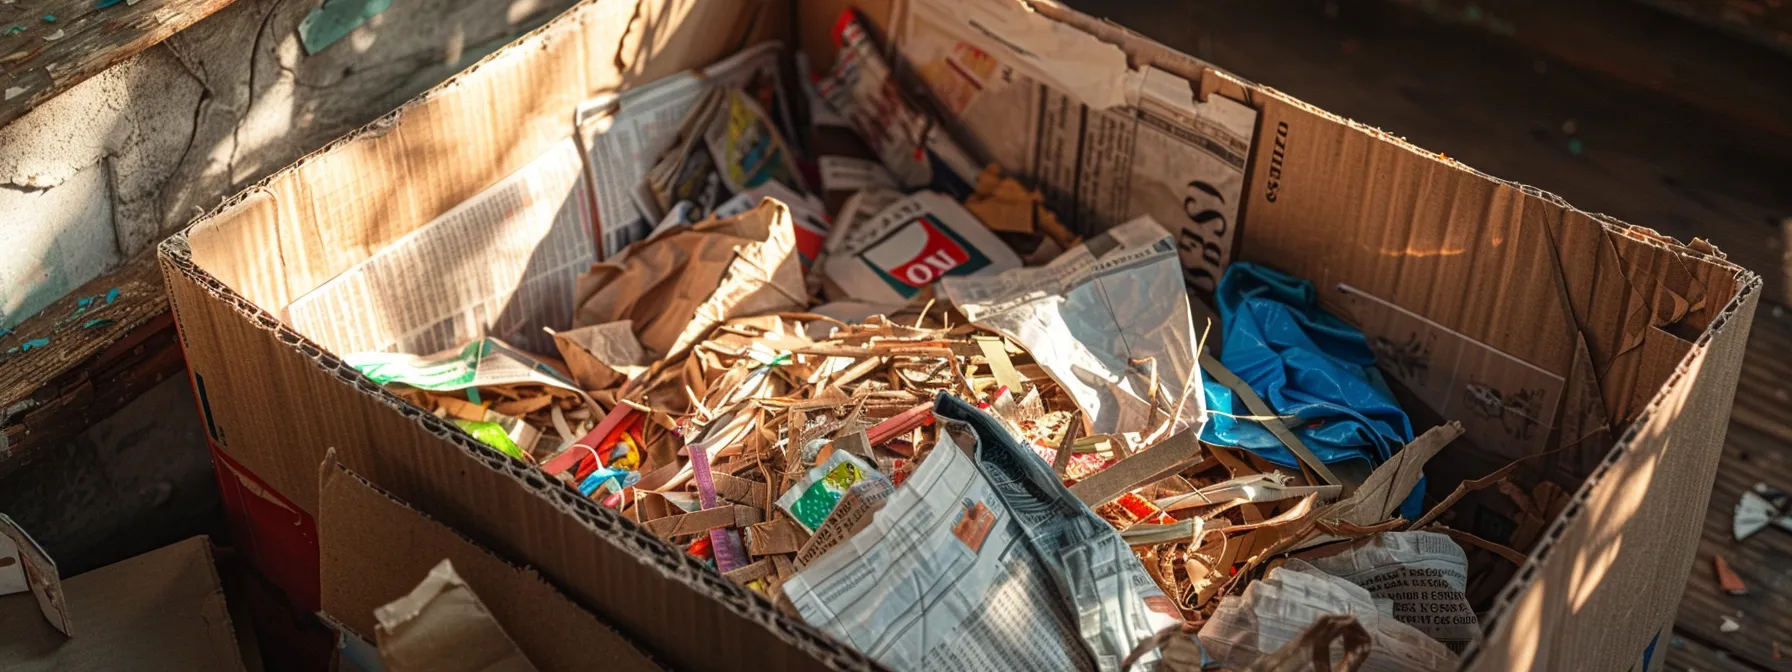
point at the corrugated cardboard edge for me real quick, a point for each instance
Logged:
(371, 542)
(1533, 624)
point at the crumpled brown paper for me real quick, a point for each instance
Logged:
(677, 286)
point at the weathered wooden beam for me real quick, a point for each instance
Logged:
(73, 364)
(50, 45)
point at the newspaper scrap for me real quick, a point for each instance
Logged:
(726, 145)
(1424, 574)
(519, 385)
(891, 257)
(915, 149)
(502, 264)
(481, 363)
(1109, 320)
(624, 135)
(442, 625)
(677, 286)
(1105, 144)
(1274, 610)
(960, 570)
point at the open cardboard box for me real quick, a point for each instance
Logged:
(1618, 349)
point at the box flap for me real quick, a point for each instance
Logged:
(376, 549)
(165, 606)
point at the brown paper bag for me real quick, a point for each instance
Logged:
(677, 286)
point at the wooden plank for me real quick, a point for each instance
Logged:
(1657, 51)
(1686, 652)
(93, 361)
(34, 67)
(1755, 450)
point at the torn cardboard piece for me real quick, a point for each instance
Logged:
(1388, 486)
(602, 356)
(441, 626)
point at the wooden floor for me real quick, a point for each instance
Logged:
(1758, 449)
(1575, 128)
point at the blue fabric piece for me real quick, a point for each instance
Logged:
(1303, 362)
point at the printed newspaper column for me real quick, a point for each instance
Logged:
(1425, 574)
(623, 135)
(1105, 144)
(983, 563)
(1108, 320)
(503, 264)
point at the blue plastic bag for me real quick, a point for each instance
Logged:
(1306, 363)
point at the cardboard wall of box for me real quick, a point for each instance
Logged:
(1643, 334)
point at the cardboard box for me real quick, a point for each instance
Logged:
(1607, 350)
(163, 610)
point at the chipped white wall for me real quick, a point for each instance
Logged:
(104, 170)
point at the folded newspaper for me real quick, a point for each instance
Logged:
(982, 560)
(862, 88)
(1275, 609)
(623, 135)
(1109, 320)
(1061, 109)
(501, 264)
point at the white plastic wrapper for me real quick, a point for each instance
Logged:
(1274, 610)
(1423, 574)
(1098, 318)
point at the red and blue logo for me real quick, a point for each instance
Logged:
(919, 253)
